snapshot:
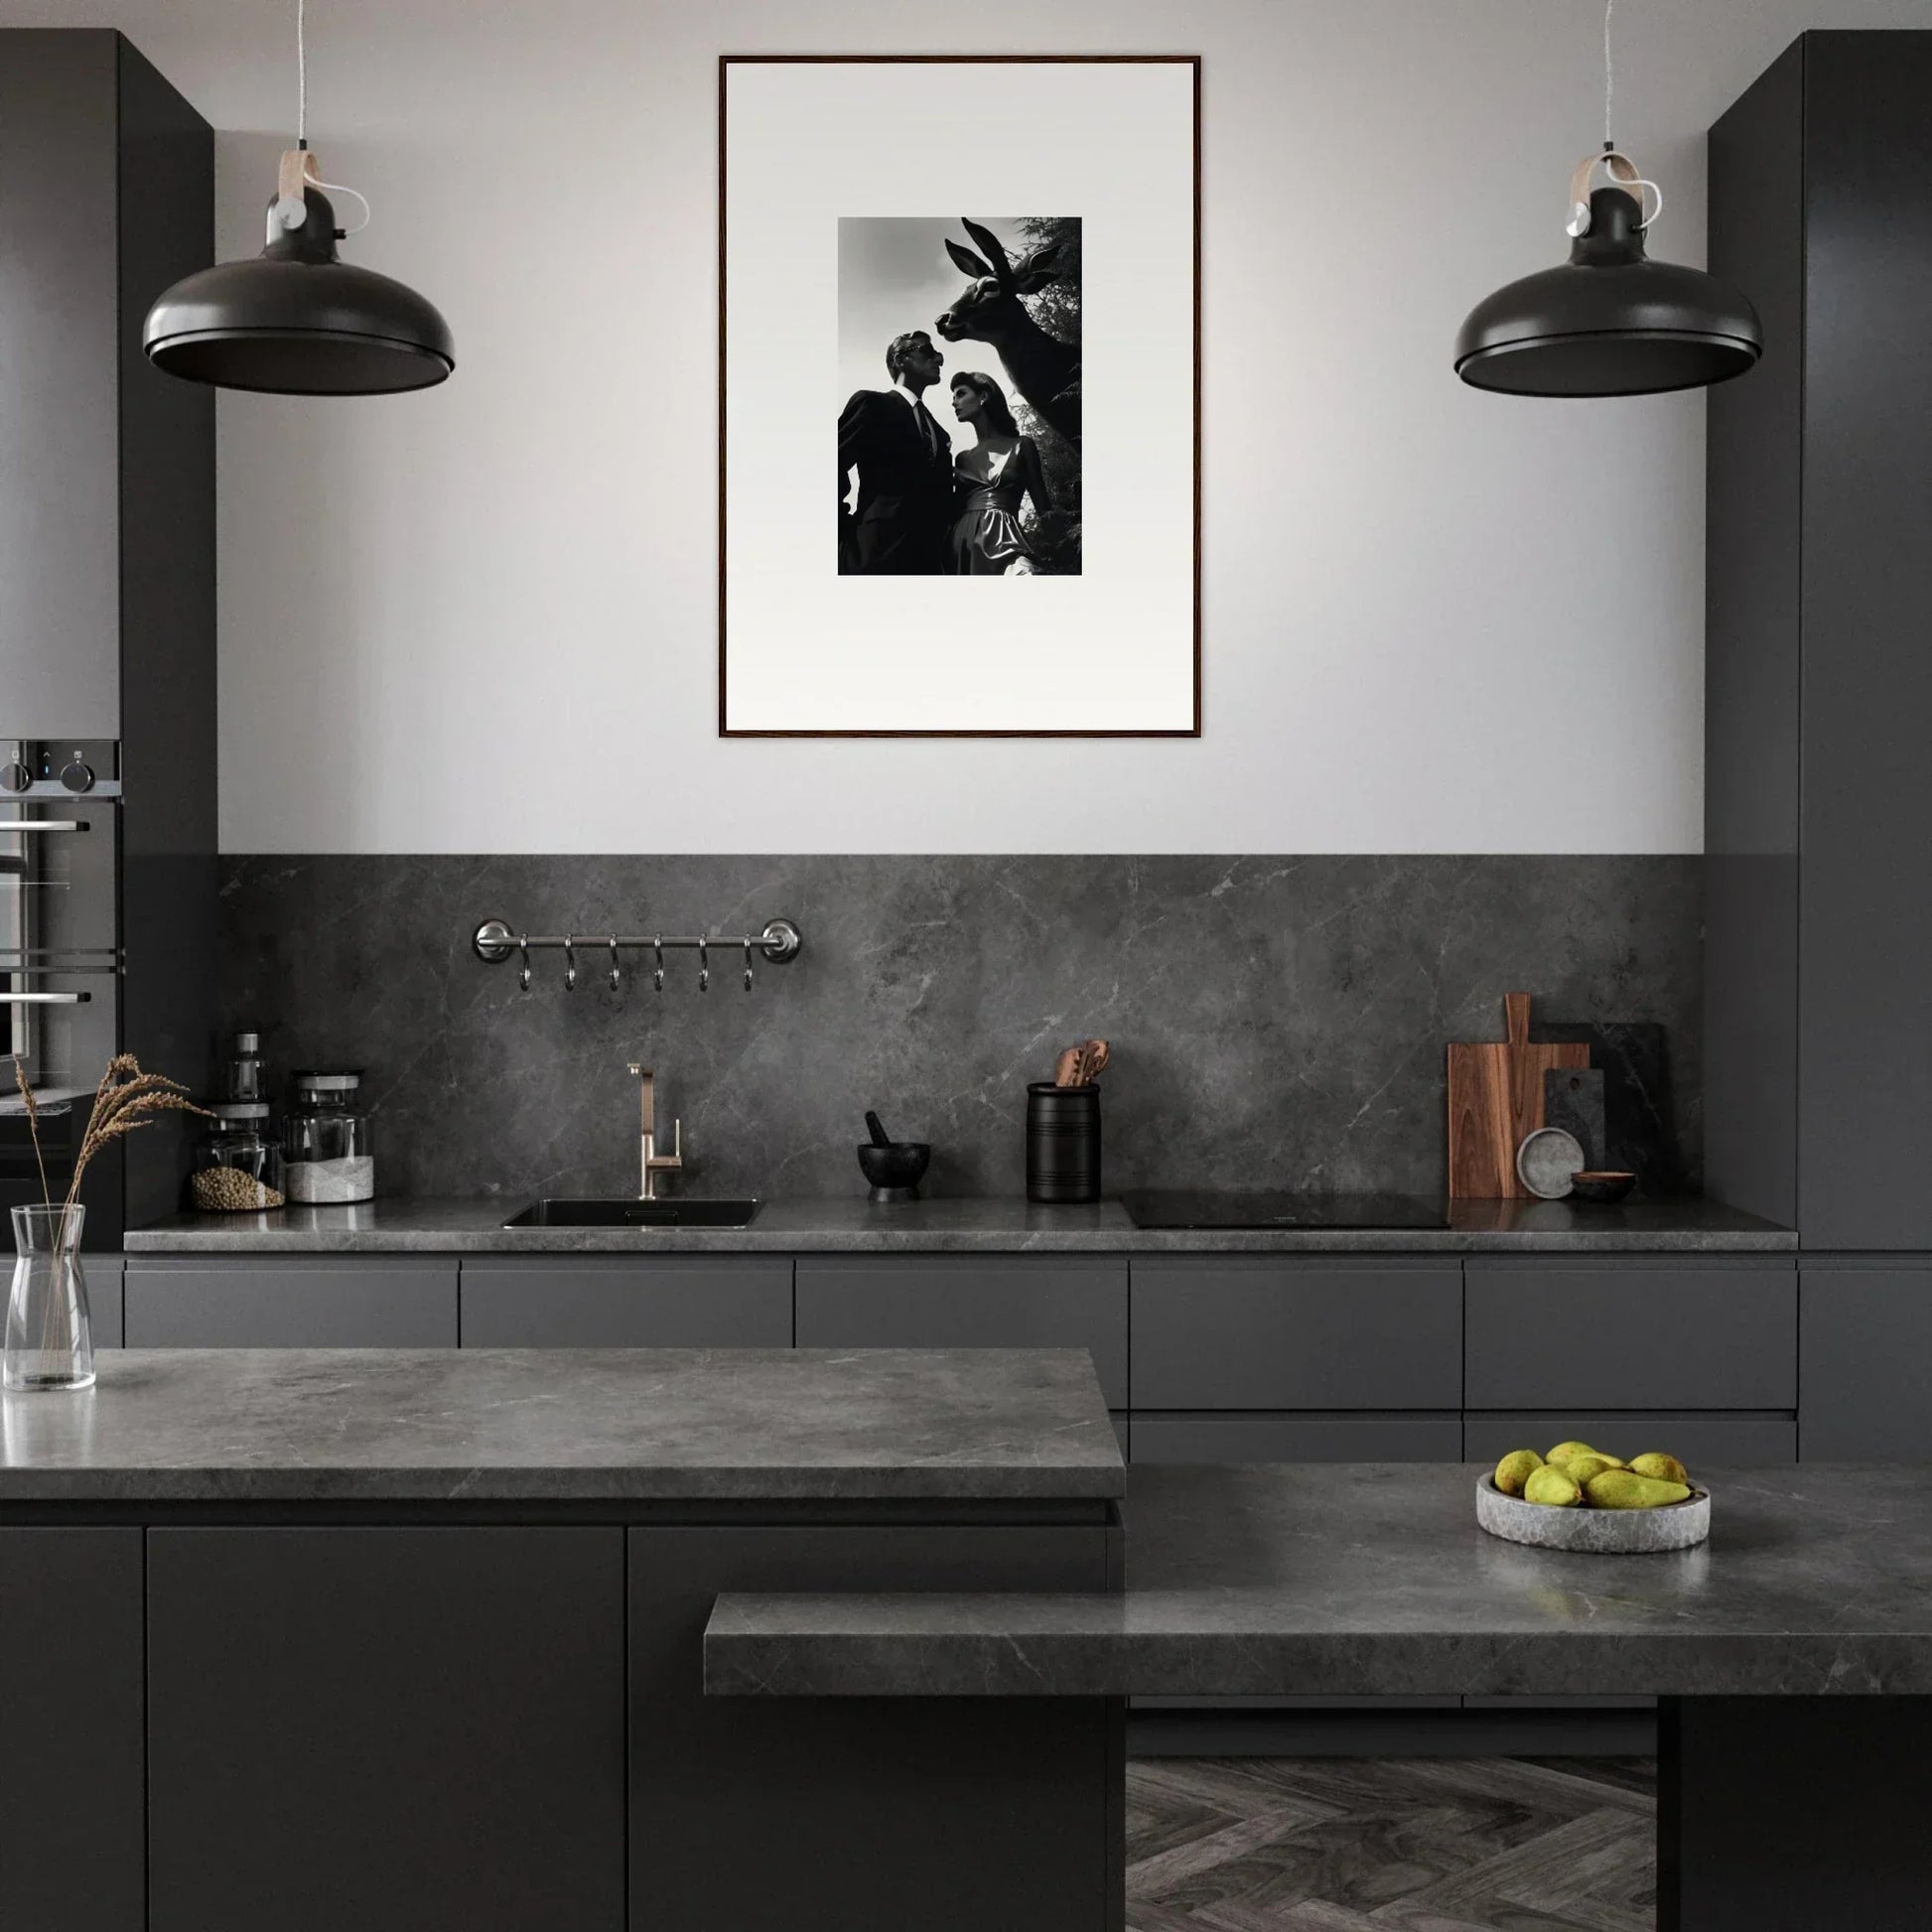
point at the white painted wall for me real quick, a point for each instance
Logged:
(483, 618)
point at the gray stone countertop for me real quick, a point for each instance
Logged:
(961, 1226)
(606, 1426)
(1373, 1578)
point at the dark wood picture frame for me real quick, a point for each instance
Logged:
(728, 61)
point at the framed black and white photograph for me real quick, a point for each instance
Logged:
(975, 281)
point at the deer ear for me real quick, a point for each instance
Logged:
(1037, 269)
(988, 244)
(966, 261)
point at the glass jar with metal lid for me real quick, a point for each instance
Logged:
(239, 1164)
(243, 1077)
(330, 1151)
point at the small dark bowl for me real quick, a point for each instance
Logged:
(895, 1170)
(1604, 1186)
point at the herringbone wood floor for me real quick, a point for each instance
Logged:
(1390, 1844)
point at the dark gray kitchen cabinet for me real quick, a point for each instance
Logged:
(1866, 1345)
(842, 1810)
(106, 466)
(106, 195)
(73, 1845)
(1550, 1332)
(394, 1729)
(1700, 1440)
(108, 613)
(1265, 1333)
(1169, 1438)
(315, 1302)
(1818, 580)
(968, 1302)
(615, 1301)
(103, 1272)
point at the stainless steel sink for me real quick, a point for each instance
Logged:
(554, 1214)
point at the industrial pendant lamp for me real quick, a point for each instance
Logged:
(1610, 322)
(297, 320)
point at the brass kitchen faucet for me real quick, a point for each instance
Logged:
(652, 1164)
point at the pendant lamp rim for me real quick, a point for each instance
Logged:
(164, 351)
(1731, 356)
(322, 304)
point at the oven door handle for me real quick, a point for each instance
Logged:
(43, 825)
(45, 998)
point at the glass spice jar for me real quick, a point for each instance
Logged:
(330, 1151)
(239, 1164)
(243, 1077)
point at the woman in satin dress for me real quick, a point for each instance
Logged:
(990, 482)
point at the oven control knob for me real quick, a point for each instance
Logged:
(15, 776)
(78, 777)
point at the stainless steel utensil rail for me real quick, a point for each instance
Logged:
(495, 940)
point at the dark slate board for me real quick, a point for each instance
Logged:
(1639, 1118)
(1573, 1099)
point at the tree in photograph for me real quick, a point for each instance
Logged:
(1056, 308)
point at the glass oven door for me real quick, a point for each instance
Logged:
(60, 975)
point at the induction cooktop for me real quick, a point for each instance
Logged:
(1165, 1209)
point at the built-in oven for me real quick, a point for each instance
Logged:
(60, 956)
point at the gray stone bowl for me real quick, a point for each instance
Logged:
(1596, 1532)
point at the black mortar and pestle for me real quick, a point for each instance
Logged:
(895, 1167)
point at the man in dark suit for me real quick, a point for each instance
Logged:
(898, 524)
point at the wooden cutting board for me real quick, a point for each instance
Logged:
(1495, 1098)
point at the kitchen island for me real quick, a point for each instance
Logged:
(409, 1639)
(1793, 1651)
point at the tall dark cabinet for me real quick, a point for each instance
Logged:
(107, 698)
(1819, 715)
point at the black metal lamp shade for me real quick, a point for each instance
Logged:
(1610, 322)
(299, 321)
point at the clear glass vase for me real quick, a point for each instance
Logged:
(50, 1337)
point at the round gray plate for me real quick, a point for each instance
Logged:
(1598, 1532)
(1545, 1161)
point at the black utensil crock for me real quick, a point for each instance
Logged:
(1063, 1142)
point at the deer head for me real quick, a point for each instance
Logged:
(989, 305)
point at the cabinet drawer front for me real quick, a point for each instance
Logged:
(1021, 1301)
(103, 1272)
(1699, 1439)
(1632, 1336)
(268, 1305)
(72, 1827)
(1298, 1439)
(698, 1301)
(386, 1728)
(1868, 1364)
(1235, 1334)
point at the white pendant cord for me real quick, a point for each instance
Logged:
(1618, 166)
(1610, 76)
(292, 210)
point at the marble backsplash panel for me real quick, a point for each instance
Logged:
(1276, 1021)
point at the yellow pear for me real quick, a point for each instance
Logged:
(1565, 1450)
(1550, 1486)
(1515, 1469)
(1666, 1468)
(1622, 1489)
(1579, 1468)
